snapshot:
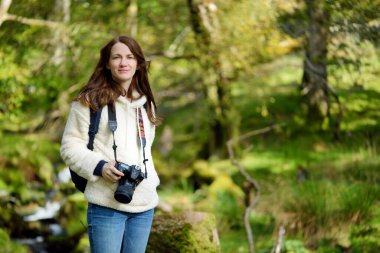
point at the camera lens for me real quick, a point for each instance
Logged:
(124, 193)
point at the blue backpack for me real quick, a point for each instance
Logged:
(80, 182)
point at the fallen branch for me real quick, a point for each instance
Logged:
(281, 235)
(253, 201)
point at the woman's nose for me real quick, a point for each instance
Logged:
(123, 61)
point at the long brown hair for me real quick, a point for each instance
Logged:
(101, 89)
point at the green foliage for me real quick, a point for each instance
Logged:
(225, 199)
(353, 61)
(327, 245)
(28, 158)
(162, 31)
(356, 12)
(9, 218)
(73, 215)
(7, 246)
(13, 86)
(83, 245)
(357, 201)
(312, 205)
(365, 238)
(295, 246)
(317, 207)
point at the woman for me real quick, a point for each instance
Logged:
(120, 81)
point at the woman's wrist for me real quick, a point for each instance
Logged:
(99, 168)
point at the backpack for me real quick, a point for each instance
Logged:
(80, 182)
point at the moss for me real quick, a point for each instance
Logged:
(7, 246)
(73, 215)
(225, 199)
(83, 245)
(184, 232)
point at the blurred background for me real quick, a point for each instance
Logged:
(294, 83)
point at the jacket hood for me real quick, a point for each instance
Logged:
(136, 103)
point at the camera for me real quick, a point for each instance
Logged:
(128, 183)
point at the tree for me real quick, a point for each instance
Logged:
(314, 81)
(323, 23)
(204, 22)
(231, 38)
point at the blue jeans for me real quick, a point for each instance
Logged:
(113, 231)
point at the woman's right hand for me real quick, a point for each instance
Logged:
(110, 173)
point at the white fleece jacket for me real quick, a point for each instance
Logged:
(83, 161)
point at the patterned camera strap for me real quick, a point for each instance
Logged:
(142, 138)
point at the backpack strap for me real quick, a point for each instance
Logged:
(112, 123)
(80, 182)
(94, 126)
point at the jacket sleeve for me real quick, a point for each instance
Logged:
(74, 149)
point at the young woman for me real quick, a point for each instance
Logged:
(120, 81)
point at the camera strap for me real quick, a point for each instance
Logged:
(112, 123)
(142, 138)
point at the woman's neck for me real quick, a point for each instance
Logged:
(126, 85)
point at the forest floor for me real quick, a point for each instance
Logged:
(321, 187)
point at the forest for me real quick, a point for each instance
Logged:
(270, 112)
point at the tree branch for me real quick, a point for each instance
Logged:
(4, 16)
(31, 21)
(281, 235)
(251, 181)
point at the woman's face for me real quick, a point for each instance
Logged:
(122, 64)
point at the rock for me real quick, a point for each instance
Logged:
(189, 232)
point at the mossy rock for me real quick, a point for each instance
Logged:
(189, 232)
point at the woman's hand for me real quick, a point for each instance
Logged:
(110, 173)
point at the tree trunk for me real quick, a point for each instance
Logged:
(60, 38)
(216, 87)
(314, 81)
(132, 17)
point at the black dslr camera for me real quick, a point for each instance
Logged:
(128, 183)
